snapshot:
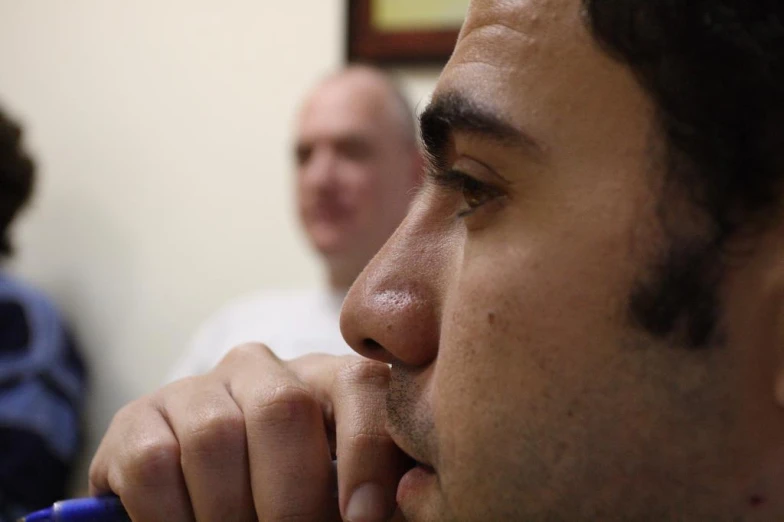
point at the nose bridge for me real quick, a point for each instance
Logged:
(392, 312)
(320, 170)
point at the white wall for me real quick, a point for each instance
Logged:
(162, 130)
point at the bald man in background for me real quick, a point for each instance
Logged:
(358, 164)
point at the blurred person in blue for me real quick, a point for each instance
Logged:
(358, 164)
(42, 376)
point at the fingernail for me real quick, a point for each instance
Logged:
(367, 504)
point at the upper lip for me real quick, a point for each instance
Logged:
(328, 211)
(403, 443)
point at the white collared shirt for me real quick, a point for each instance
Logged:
(291, 323)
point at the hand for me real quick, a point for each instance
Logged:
(254, 440)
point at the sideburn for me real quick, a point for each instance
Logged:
(679, 299)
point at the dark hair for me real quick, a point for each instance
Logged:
(715, 72)
(16, 179)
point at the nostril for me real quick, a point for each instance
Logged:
(372, 349)
(371, 345)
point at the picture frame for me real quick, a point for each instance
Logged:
(382, 32)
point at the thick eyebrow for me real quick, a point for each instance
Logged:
(452, 112)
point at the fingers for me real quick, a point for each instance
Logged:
(139, 460)
(251, 440)
(288, 450)
(369, 463)
(211, 432)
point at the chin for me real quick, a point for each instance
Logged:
(331, 241)
(330, 248)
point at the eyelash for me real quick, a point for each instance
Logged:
(457, 181)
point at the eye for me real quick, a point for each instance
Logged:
(475, 193)
(354, 148)
(302, 154)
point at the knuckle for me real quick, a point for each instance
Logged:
(214, 429)
(246, 352)
(369, 439)
(177, 384)
(128, 414)
(114, 448)
(150, 461)
(185, 383)
(285, 404)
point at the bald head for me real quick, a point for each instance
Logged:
(378, 90)
(357, 161)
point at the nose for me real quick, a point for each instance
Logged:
(320, 171)
(392, 312)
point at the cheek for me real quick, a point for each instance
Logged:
(306, 193)
(499, 342)
(362, 190)
(522, 328)
(303, 199)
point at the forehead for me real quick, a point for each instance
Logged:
(503, 32)
(536, 62)
(340, 106)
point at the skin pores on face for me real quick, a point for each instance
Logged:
(518, 374)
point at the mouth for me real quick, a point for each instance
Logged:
(419, 477)
(331, 211)
(415, 484)
(412, 464)
(416, 458)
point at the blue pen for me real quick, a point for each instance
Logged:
(103, 509)
(92, 509)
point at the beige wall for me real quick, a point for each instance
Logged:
(162, 133)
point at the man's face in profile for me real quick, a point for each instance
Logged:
(520, 381)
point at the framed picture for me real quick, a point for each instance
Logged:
(404, 31)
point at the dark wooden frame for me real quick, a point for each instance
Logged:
(365, 44)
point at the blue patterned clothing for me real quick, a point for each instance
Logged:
(42, 390)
